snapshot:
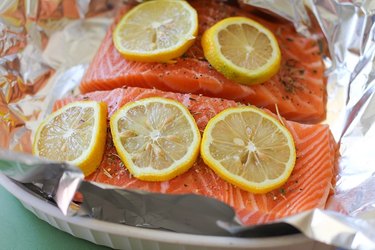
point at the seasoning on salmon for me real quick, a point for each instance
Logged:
(298, 89)
(308, 187)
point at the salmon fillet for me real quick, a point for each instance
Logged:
(308, 187)
(298, 89)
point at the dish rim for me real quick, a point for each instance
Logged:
(26, 197)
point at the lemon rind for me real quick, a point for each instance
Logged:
(211, 48)
(149, 174)
(91, 157)
(239, 181)
(159, 55)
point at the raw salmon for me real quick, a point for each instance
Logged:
(299, 88)
(308, 187)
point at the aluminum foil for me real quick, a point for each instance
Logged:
(45, 47)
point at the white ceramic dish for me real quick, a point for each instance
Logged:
(133, 238)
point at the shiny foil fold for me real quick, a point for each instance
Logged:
(45, 47)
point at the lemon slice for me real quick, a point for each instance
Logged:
(249, 148)
(156, 31)
(156, 138)
(242, 50)
(75, 133)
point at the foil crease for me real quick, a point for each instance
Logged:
(292, 10)
(45, 47)
(150, 210)
(56, 181)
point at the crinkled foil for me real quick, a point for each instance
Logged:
(45, 47)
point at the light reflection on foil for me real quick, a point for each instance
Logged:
(45, 47)
(293, 11)
(34, 70)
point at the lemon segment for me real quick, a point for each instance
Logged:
(249, 148)
(156, 31)
(75, 134)
(156, 138)
(242, 50)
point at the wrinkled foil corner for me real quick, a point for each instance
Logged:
(56, 182)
